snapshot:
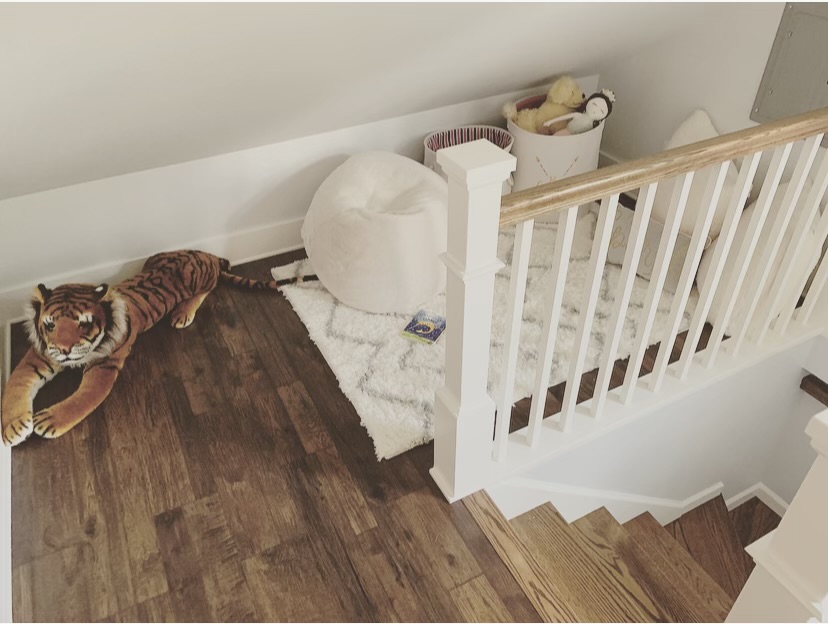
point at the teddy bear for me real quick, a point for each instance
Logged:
(564, 96)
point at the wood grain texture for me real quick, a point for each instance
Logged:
(708, 535)
(817, 388)
(752, 520)
(647, 564)
(676, 565)
(587, 187)
(227, 478)
(520, 556)
(593, 581)
(478, 602)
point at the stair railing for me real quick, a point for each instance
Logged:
(473, 443)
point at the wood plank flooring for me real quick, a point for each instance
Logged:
(817, 388)
(227, 478)
(708, 535)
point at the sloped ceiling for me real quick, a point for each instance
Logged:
(95, 90)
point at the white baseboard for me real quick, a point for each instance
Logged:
(764, 494)
(517, 496)
(238, 247)
(241, 205)
(606, 158)
(520, 495)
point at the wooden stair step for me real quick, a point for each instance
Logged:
(593, 580)
(520, 558)
(817, 388)
(672, 563)
(650, 565)
(708, 534)
(752, 520)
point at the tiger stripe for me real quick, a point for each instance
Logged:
(95, 327)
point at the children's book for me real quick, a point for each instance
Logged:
(424, 327)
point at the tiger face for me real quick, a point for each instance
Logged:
(74, 324)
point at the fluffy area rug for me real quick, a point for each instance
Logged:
(391, 380)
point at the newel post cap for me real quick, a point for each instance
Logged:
(817, 430)
(477, 163)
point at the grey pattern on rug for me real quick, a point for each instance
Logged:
(391, 381)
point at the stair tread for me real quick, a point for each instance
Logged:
(708, 534)
(817, 388)
(666, 588)
(667, 561)
(592, 579)
(544, 595)
(752, 520)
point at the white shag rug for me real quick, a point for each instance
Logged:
(391, 381)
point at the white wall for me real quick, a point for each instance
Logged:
(95, 90)
(242, 205)
(716, 66)
(741, 436)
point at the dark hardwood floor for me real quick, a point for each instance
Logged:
(228, 478)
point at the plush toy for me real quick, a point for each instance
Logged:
(95, 327)
(563, 97)
(595, 109)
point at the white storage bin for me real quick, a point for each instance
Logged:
(542, 159)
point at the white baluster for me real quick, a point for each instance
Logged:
(720, 256)
(597, 260)
(517, 292)
(678, 201)
(688, 270)
(821, 234)
(552, 314)
(464, 412)
(779, 225)
(745, 255)
(815, 291)
(786, 276)
(632, 255)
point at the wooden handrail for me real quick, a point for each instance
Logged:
(594, 185)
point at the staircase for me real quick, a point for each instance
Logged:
(692, 569)
(597, 569)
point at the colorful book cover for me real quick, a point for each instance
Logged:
(424, 327)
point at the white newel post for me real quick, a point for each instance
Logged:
(790, 581)
(464, 412)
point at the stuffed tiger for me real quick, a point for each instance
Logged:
(95, 327)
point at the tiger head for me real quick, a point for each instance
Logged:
(75, 324)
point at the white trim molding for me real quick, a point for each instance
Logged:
(5, 534)
(574, 502)
(761, 491)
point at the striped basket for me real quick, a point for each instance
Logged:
(457, 136)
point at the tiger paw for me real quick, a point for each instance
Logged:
(180, 321)
(46, 424)
(18, 429)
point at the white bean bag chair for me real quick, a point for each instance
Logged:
(374, 232)
(697, 127)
